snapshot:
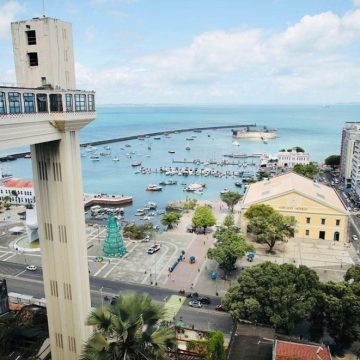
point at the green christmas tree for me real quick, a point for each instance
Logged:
(113, 244)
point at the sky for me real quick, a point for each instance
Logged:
(205, 52)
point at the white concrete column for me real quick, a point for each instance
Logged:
(60, 212)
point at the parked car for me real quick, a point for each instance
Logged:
(195, 303)
(153, 249)
(220, 308)
(146, 238)
(31, 268)
(204, 300)
(355, 238)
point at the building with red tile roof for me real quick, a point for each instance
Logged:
(286, 350)
(21, 192)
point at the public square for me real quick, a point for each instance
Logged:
(330, 260)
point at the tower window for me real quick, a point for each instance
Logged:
(31, 37)
(33, 59)
(14, 102)
(56, 102)
(29, 102)
(41, 102)
(2, 103)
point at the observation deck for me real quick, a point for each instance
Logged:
(37, 115)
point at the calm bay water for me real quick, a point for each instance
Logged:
(315, 128)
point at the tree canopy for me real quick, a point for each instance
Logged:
(340, 308)
(229, 220)
(269, 226)
(299, 149)
(229, 247)
(258, 210)
(128, 330)
(230, 198)
(203, 217)
(332, 160)
(308, 170)
(278, 295)
(170, 219)
(353, 274)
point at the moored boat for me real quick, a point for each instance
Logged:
(136, 163)
(153, 187)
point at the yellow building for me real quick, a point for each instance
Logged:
(318, 210)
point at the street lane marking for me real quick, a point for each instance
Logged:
(9, 257)
(101, 269)
(21, 272)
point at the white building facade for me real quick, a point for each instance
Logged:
(355, 170)
(288, 159)
(20, 192)
(350, 135)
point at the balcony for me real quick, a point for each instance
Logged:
(29, 116)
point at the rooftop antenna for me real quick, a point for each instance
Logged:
(43, 6)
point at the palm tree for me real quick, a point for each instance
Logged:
(128, 330)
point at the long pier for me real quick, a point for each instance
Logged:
(133, 137)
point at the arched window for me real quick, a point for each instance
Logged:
(336, 236)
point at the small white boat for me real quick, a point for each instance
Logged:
(153, 187)
(95, 158)
(115, 159)
(226, 190)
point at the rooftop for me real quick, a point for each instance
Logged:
(285, 350)
(251, 342)
(292, 182)
(17, 183)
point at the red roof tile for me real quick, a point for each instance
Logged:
(16, 183)
(295, 351)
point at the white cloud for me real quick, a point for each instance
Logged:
(307, 61)
(356, 2)
(8, 12)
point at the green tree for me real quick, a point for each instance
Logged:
(229, 247)
(229, 220)
(278, 295)
(212, 348)
(332, 160)
(170, 219)
(340, 305)
(128, 330)
(258, 210)
(137, 232)
(269, 226)
(308, 170)
(353, 274)
(6, 202)
(299, 149)
(203, 217)
(230, 198)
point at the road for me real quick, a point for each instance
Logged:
(22, 281)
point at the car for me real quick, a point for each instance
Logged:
(153, 249)
(355, 238)
(204, 300)
(146, 238)
(195, 303)
(31, 268)
(220, 308)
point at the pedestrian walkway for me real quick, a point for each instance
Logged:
(172, 307)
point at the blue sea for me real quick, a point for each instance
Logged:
(316, 128)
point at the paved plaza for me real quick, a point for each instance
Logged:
(330, 260)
